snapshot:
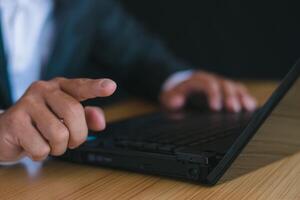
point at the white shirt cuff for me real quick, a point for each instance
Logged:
(9, 163)
(177, 78)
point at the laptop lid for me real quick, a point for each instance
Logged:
(279, 116)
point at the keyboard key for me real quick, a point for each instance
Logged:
(160, 133)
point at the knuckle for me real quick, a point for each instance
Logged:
(60, 134)
(44, 151)
(53, 93)
(39, 85)
(30, 99)
(79, 95)
(58, 79)
(41, 153)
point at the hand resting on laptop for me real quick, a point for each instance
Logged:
(220, 93)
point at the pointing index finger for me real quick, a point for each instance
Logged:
(83, 89)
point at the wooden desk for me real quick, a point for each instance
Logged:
(60, 180)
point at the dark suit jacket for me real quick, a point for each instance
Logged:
(96, 38)
(236, 38)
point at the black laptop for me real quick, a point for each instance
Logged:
(193, 145)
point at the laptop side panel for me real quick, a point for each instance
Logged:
(253, 126)
(149, 163)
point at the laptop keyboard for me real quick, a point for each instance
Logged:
(165, 133)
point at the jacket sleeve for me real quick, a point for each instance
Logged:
(140, 61)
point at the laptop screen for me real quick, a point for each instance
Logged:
(275, 133)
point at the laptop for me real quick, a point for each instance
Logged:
(193, 145)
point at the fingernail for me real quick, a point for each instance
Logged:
(251, 104)
(236, 106)
(216, 105)
(107, 83)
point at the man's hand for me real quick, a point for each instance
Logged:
(49, 118)
(220, 92)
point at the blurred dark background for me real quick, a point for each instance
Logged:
(244, 39)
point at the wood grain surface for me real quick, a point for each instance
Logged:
(267, 169)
